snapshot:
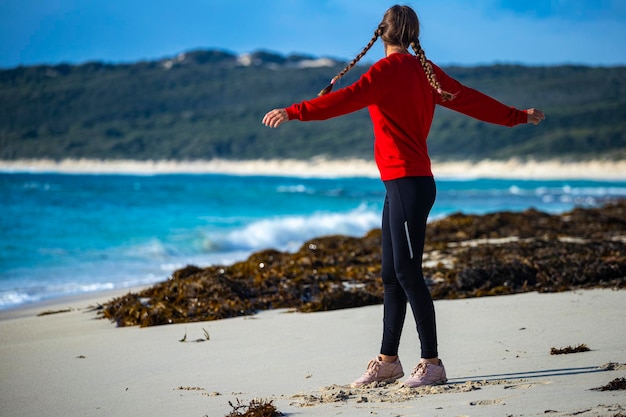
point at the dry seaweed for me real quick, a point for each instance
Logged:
(618, 384)
(256, 408)
(465, 256)
(199, 340)
(566, 350)
(50, 312)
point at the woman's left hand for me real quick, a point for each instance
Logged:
(275, 118)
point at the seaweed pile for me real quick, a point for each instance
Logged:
(465, 256)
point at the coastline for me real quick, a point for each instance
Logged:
(326, 168)
(497, 364)
(66, 302)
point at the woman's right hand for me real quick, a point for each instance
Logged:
(535, 116)
(275, 118)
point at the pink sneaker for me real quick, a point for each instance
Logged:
(427, 374)
(380, 371)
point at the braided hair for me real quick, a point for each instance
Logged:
(336, 78)
(430, 74)
(400, 26)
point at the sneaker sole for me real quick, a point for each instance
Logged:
(440, 382)
(384, 380)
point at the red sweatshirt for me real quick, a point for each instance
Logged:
(401, 104)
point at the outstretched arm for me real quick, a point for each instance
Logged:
(480, 106)
(356, 96)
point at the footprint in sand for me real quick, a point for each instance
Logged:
(525, 386)
(487, 402)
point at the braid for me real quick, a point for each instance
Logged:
(430, 74)
(343, 72)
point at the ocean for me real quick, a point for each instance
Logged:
(66, 234)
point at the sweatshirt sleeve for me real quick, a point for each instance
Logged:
(475, 104)
(354, 97)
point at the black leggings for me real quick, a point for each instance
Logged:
(407, 205)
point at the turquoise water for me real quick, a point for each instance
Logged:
(67, 234)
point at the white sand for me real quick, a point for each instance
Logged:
(320, 167)
(496, 351)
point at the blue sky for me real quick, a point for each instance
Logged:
(465, 32)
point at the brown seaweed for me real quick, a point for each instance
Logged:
(566, 350)
(50, 312)
(256, 408)
(614, 385)
(465, 256)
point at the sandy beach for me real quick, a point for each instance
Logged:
(496, 351)
(321, 167)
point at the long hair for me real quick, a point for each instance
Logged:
(400, 26)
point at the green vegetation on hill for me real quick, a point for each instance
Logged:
(209, 104)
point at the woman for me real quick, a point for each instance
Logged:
(400, 92)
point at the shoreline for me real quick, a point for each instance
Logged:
(54, 304)
(326, 168)
(516, 224)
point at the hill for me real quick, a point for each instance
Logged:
(209, 103)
